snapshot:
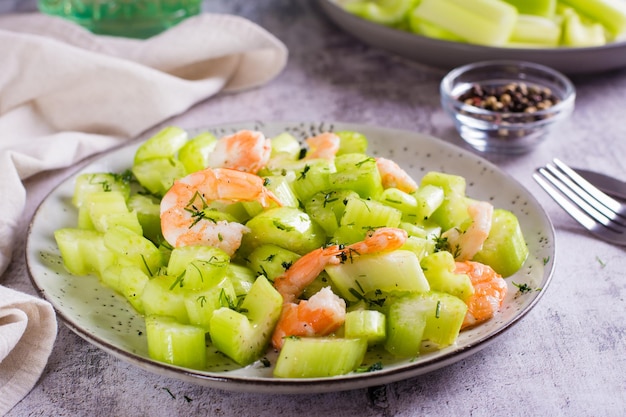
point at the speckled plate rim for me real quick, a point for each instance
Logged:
(448, 54)
(416, 152)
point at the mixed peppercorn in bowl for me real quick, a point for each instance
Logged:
(506, 106)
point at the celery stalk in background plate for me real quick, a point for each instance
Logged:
(610, 13)
(483, 22)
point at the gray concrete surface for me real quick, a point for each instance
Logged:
(567, 357)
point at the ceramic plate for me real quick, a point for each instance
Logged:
(105, 319)
(448, 55)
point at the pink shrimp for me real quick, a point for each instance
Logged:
(291, 284)
(182, 217)
(320, 315)
(467, 244)
(246, 150)
(489, 292)
(395, 177)
(324, 145)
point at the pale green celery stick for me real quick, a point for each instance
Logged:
(577, 33)
(536, 31)
(545, 8)
(386, 12)
(423, 27)
(485, 22)
(610, 13)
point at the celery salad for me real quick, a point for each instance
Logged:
(316, 250)
(501, 23)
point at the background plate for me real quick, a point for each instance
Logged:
(105, 319)
(448, 55)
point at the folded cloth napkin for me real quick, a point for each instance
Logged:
(28, 329)
(66, 94)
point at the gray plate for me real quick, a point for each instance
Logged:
(448, 55)
(107, 320)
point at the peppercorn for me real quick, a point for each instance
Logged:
(512, 97)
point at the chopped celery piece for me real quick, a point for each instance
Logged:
(83, 251)
(201, 305)
(194, 154)
(98, 182)
(201, 266)
(133, 249)
(386, 12)
(439, 271)
(282, 189)
(158, 174)
(175, 343)
(327, 208)
(449, 183)
(243, 336)
(285, 145)
(129, 281)
(505, 249)
(148, 214)
(367, 277)
(163, 296)
(428, 198)
(106, 209)
(366, 324)
(357, 172)
(369, 214)
(536, 31)
(423, 27)
(485, 22)
(400, 200)
(543, 8)
(271, 261)
(319, 357)
(312, 178)
(164, 144)
(453, 209)
(241, 277)
(421, 247)
(286, 227)
(351, 142)
(577, 33)
(412, 319)
(610, 13)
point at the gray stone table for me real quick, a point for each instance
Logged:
(567, 357)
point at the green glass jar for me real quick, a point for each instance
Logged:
(129, 18)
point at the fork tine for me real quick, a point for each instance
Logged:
(578, 215)
(614, 205)
(584, 198)
(580, 204)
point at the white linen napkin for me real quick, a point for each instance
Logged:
(66, 94)
(28, 328)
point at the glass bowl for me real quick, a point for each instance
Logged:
(506, 106)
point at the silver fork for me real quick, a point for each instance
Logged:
(603, 216)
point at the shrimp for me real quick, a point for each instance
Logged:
(324, 145)
(246, 150)
(320, 315)
(291, 284)
(467, 244)
(182, 216)
(489, 292)
(395, 177)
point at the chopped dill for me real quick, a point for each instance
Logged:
(179, 281)
(441, 243)
(376, 366)
(304, 171)
(523, 288)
